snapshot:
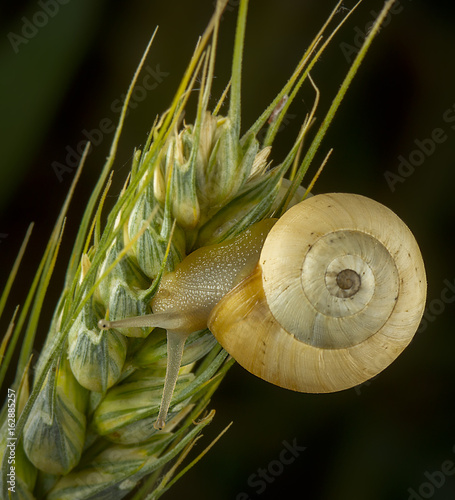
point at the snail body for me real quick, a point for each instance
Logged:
(187, 295)
(201, 280)
(322, 301)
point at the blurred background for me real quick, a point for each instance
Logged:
(62, 79)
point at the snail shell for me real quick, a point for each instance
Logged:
(338, 293)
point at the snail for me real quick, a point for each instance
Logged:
(318, 301)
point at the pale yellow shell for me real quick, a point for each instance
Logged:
(337, 295)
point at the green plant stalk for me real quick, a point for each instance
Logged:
(309, 156)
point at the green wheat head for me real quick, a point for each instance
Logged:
(84, 425)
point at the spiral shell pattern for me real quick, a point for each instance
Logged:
(339, 291)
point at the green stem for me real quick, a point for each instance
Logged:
(337, 100)
(236, 81)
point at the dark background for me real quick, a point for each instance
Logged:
(374, 442)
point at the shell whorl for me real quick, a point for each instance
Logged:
(341, 287)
